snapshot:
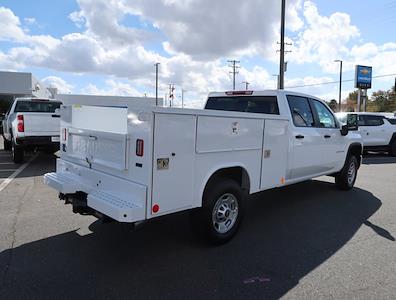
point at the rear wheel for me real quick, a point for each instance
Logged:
(18, 153)
(345, 180)
(221, 213)
(7, 144)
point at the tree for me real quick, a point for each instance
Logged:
(333, 105)
(351, 101)
(383, 101)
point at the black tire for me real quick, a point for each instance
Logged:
(392, 150)
(226, 197)
(18, 153)
(7, 145)
(345, 180)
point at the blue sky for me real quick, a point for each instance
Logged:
(109, 47)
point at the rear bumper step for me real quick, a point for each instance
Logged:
(123, 202)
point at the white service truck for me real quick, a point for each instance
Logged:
(31, 123)
(136, 163)
(378, 131)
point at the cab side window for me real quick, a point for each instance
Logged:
(325, 117)
(301, 111)
(371, 120)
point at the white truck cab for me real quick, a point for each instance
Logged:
(378, 131)
(132, 163)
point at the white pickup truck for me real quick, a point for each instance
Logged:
(377, 130)
(136, 163)
(30, 123)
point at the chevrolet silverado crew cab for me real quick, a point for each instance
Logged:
(30, 123)
(131, 163)
(378, 131)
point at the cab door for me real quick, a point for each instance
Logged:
(331, 139)
(373, 130)
(307, 158)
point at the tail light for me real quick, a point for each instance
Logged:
(139, 147)
(21, 125)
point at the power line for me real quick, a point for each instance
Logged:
(332, 82)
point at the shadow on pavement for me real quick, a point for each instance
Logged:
(286, 234)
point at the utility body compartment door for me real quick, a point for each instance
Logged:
(275, 153)
(173, 163)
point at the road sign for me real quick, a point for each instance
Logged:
(363, 76)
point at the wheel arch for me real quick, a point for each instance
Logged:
(393, 139)
(357, 150)
(238, 173)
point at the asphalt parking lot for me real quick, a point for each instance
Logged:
(304, 241)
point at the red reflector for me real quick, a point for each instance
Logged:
(64, 134)
(156, 208)
(232, 93)
(139, 147)
(21, 125)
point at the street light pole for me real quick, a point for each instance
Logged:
(156, 83)
(340, 89)
(282, 48)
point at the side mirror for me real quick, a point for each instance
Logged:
(351, 125)
(352, 122)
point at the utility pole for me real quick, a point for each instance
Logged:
(171, 95)
(156, 83)
(340, 89)
(246, 84)
(182, 97)
(282, 48)
(234, 65)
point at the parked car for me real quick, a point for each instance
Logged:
(378, 131)
(136, 163)
(31, 123)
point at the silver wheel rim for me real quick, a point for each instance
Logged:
(225, 213)
(351, 173)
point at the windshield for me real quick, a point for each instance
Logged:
(37, 106)
(392, 121)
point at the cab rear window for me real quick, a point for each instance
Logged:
(253, 104)
(37, 106)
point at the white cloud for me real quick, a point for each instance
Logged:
(58, 83)
(30, 21)
(10, 29)
(324, 39)
(112, 88)
(209, 29)
(196, 35)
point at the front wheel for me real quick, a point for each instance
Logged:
(345, 180)
(221, 212)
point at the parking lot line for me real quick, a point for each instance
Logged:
(7, 181)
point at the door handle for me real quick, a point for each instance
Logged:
(327, 136)
(299, 136)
